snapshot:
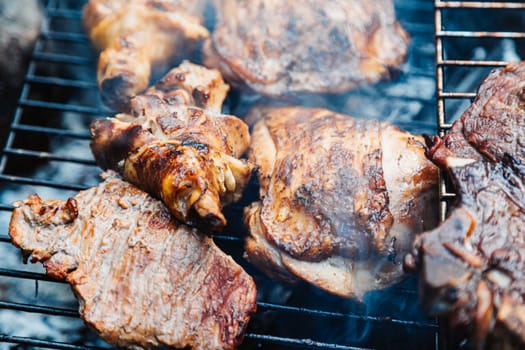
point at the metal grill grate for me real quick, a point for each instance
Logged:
(508, 19)
(47, 152)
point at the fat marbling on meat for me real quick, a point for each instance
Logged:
(472, 266)
(142, 279)
(340, 198)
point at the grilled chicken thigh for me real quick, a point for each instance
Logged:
(285, 47)
(177, 145)
(143, 280)
(135, 36)
(340, 198)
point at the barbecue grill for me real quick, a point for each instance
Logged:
(47, 152)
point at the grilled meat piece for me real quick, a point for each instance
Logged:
(135, 36)
(472, 265)
(297, 46)
(341, 198)
(142, 279)
(177, 146)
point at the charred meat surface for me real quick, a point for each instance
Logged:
(472, 265)
(305, 46)
(136, 36)
(340, 198)
(142, 279)
(177, 146)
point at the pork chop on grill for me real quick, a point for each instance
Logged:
(286, 47)
(177, 146)
(136, 36)
(142, 279)
(340, 198)
(472, 266)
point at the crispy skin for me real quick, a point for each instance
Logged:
(177, 146)
(135, 36)
(142, 279)
(341, 198)
(472, 265)
(280, 48)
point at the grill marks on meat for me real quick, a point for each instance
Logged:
(472, 265)
(177, 146)
(136, 36)
(142, 279)
(278, 48)
(341, 198)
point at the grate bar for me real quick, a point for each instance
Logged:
(48, 310)
(51, 131)
(479, 5)
(61, 82)
(61, 58)
(415, 72)
(23, 94)
(5, 207)
(440, 122)
(45, 343)
(48, 156)
(304, 343)
(66, 36)
(66, 107)
(471, 63)
(63, 13)
(40, 182)
(419, 28)
(227, 238)
(27, 275)
(414, 5)
(380, 319)
(474, 34)
(457, 95)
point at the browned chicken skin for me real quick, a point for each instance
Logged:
(177, 145)
(143, 280)
(341, 198)
(135, 36)
(285, 47)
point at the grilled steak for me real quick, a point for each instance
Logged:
(136, 36)
(472, 265)
(341, 198)
(142, 279)
(276, 47)
(177, 146)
